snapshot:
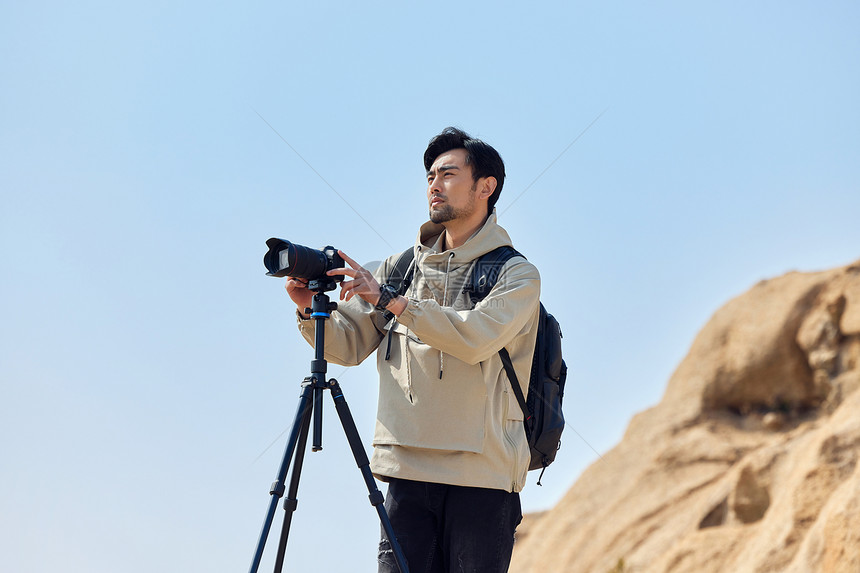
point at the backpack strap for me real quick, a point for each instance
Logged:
(485, 273)
(398, 278)
(515, 385)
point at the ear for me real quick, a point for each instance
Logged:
(486, 187)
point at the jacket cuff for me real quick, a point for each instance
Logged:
(407, 317)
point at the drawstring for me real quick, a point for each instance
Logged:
(445, 302)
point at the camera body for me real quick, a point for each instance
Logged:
(286, 259)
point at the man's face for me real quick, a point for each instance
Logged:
(450, 189)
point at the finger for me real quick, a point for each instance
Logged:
(349, 261)
(344, 271)
(346, 290)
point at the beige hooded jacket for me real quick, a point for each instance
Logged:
(446, 413)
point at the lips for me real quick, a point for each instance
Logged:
(435, 201)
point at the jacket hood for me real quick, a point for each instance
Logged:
(485, 239)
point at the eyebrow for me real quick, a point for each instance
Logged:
(444, 168)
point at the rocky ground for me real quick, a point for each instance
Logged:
(749, 462)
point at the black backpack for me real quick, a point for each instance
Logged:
(542, 415)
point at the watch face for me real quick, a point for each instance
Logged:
(386, 293)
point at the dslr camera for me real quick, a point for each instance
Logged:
(286, 259)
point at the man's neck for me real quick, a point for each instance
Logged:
(457, 234)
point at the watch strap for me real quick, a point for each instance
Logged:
(387, 293)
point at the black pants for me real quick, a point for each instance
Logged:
(452, 529)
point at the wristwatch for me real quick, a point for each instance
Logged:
(387, 293)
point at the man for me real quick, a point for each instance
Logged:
(449, 436)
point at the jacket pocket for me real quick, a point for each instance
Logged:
(418, 409)
(515, 412)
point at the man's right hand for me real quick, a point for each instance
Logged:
(298, 291)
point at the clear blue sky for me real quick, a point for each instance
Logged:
(147, 364)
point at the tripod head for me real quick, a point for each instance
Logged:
(321, 309)
(322, 284)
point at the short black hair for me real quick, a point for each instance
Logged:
(484, 160)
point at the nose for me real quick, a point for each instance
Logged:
(434, 185)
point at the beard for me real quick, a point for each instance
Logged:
(446, 212)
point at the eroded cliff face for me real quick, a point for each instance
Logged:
(749, 462)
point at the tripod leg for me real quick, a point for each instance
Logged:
(376, 497)
(277, 489)
(318, 421)
(292, 500)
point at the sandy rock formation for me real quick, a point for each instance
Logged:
(749, 462)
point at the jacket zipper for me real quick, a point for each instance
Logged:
(509, 440)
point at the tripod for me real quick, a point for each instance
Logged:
(311, 402)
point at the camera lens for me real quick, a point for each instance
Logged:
(286, 259)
